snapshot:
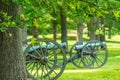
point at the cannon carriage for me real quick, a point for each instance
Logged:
(46, 59)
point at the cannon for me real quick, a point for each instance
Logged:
(91, 54)
(46, 59)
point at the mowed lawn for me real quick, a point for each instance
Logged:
(110, 71)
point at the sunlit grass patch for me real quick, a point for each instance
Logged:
(92, 75)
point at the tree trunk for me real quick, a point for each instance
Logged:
(12, 64)
(109, 33)
(63, 26)
(80, 31)
(92, 35)
(98, 27)
(24, 35)
(54, 26)
(24, 30)
(92, 28)
(102, 36)
(88, 27)
(54, 31)
(35, 32)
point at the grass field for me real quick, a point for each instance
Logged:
(110, 71)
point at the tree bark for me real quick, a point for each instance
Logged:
(12, 64)
(102, 37)
(54, 26)
(98, 27)
(109, 33)
(24, 30)
(63, 26)
(92, 28)
(80, 31)
(54, 31)
(35, 32)
(88, 27)
(24, 34)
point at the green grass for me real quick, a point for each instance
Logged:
(92, 75)
(110, 71)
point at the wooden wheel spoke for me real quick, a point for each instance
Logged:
(97, 62)
(41, 50)
(31, 69)
(28, 65)
(52, 69)
(88, 48)
(35, 51)
(91, 59)
(32, 56)
(51, 62)
(99, 59)
(37, 68)
(42, 73)
(58, 65)
(86, 60)
(47, 72)
(80, 61)
(30, 61)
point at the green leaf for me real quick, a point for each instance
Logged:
(116, 14)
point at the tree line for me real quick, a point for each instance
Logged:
(59, 16)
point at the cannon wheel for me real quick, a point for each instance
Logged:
(75, 54)
(93, 55)
(44, 63)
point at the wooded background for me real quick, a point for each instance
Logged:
(42, 17)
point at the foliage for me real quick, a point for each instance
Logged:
(5, 21)
(41, 13)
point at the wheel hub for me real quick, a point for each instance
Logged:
(44, 60)
(94, 54)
